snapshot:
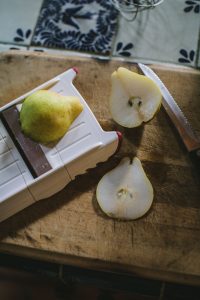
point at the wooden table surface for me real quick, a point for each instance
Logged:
(69, 227)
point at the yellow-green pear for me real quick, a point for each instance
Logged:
(46, 116)
(134, 98)
(125, 192)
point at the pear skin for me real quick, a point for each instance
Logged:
(46, 116)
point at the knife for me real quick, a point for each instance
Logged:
(191, 142)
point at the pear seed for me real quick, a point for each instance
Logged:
(136, 101)
(124, 193)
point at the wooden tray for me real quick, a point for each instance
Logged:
(70, 227)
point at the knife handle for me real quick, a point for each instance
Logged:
(195, 157)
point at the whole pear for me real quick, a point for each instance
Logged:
(46, 116)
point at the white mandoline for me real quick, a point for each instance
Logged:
(83, 146)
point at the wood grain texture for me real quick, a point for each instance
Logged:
(70, 227)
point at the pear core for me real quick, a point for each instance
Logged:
(134, 98)
(46, 116)
(125, 192)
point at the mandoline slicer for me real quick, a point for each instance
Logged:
(30, 171)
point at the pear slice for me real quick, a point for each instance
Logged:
(46, 116)
(134, 98)
(125, 192)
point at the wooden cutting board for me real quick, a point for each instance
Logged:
(70, 227)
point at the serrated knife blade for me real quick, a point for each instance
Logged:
(182, 125)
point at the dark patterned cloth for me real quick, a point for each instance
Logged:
(82, 25)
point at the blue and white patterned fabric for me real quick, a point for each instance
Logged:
(83, 25)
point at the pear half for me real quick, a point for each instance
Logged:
(134, 98)
(46, 116)
(125, 192)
